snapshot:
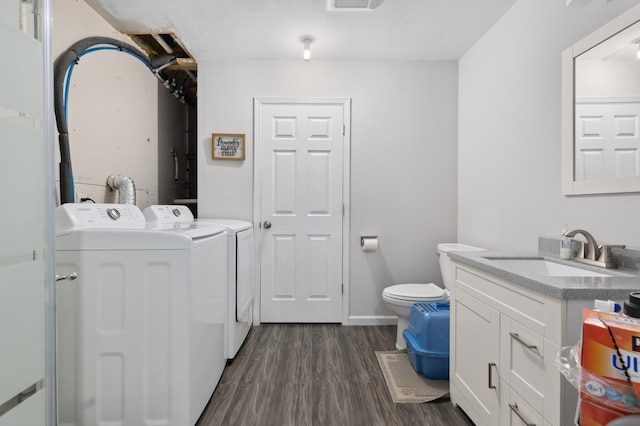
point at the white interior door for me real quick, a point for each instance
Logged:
(301, 149)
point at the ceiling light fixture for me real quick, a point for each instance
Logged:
(307, 40)
(352, 5)
(637, 43)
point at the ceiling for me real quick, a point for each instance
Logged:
(271, 29)
(622, 46)
(399, 30)
(180, 77)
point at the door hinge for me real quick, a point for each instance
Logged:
(343, 210)
(344, 129)
(342, 288)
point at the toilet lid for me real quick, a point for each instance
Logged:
(418, 292)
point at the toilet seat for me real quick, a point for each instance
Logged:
(415, 292)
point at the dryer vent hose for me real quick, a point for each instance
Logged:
(125, 186)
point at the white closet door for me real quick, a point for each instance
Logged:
(301, 148)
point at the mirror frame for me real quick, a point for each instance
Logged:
(567, 104)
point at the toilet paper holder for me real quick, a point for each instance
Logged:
(369, 242)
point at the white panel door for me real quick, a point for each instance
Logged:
(301, 157)
(607, 140)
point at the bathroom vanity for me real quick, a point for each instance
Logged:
(508, 322)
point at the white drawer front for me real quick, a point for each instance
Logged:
(526, 363)
(522, 361)
(525, 305)
(515, 411)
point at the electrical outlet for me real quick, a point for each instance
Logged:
(80, 196)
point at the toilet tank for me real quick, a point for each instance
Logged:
(445, 261)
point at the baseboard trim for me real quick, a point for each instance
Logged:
(372, 320)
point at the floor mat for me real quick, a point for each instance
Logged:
(404, 383)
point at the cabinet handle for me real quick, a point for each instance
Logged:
(514, 408)
(533, 348)
(490, 384)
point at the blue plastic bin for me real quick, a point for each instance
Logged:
(428, 339)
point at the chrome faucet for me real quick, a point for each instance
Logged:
(591, 247)
(590, 252)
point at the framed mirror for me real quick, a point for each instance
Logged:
(601, 110)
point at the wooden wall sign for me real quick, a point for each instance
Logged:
(227, 146)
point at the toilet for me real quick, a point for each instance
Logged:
(401, 297)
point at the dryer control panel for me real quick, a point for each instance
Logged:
(168, 214)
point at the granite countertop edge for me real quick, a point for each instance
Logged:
(615, 287)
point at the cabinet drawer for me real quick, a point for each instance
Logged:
(522, 362)
(515, 411)
(526, 364)
(522, 304)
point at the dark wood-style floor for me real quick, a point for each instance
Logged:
(316, 374)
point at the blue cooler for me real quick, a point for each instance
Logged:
(428, 339)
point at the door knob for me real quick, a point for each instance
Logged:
(267, 224)
(72, 276)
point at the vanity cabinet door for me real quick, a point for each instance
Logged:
(475, 343)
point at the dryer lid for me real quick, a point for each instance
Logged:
(235, 225)
(420, 292)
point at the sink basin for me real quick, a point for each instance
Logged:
(544, 267)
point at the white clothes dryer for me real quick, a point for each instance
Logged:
(240, 268)
(240, 275)
(140, 341)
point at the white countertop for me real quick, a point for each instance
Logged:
(616, 287)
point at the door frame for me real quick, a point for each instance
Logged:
(346, 192)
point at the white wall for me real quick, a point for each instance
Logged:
(403, 157)
(113, 111)
(598, 78)
(509, 133)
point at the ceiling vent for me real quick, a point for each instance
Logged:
(356, 5)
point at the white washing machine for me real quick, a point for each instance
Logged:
(140, 341)
(240, 290)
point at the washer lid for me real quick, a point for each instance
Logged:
(415, 292)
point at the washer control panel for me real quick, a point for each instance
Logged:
(97, 216)
(113, 213)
